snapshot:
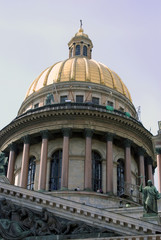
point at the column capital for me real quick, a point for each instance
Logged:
(158, 150)
(109, 136)
(127, 142)
(141, 151)
(45, 134)
(13, 147)
(67, 132)
(26, 139)
(88, 132)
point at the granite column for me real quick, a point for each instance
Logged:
(25, 162)
(43, 161)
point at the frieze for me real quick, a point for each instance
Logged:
(17, 222)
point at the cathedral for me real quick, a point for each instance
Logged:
(76, 155)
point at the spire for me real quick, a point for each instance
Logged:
(81, 24)
(81, 29)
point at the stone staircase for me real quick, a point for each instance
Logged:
(120, 224)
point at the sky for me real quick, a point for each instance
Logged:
(126, 35)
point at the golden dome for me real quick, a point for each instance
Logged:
(81, 69)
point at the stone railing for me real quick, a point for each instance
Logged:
(130, 191)
(78, 106)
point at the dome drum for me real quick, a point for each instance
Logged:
(76, 92)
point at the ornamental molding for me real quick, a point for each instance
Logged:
(30, 122)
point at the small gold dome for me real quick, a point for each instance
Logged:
(79, 69)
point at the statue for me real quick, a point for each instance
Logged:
(3, 164)
(49, 99)
(150, 196)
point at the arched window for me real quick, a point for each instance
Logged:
(84, 51)
(31, 173)
(55, 171)
(77, 50)
(96, 171)
(120, 177)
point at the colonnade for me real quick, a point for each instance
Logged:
(87, 165)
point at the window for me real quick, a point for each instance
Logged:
(84, 51)
(96, 171)
(109, 103)
(63, 98)
(121, 109)
(55, 171)
(120, 177)
(31, 173)
(79, 98)
(95, 100)
(36, 105)
(77, 50)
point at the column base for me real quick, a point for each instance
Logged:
(64, 189)
(110, 193)
(41, 190)
(88, 190)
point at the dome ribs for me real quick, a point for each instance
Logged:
(37, 79)
(79, 69)
(100, 72)
(88, 77)
(28, 92)
(47, 75)
(125, 90)
(60, 70)
(73, 69)
(113, 79)
(34, 85)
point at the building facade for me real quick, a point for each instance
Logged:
(77, 135)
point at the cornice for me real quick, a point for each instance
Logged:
(75, 210)
(48, 115)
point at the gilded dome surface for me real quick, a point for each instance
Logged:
(79, 69)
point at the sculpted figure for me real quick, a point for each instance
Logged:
(53, 224)
(150, 196)
(3, 164)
